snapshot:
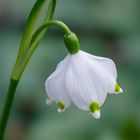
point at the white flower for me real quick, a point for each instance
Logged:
(83, 79)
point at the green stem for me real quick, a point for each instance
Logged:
(26, 39)
(46, 25)
(17, 72)
(14, 82)
(35, 13)
(7, 107)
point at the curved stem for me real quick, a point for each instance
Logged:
(15, 77)
(7, 107)
(29, 30)
(46, 25)
(16, 74)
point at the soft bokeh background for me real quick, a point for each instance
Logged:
(108, 28)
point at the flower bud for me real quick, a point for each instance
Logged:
(72, 43)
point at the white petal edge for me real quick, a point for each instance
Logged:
(55, 85)
(96, 114)
(107, 63)
(49, 101)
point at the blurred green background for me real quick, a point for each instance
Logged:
(108, 28)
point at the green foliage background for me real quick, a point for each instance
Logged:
(108, 28)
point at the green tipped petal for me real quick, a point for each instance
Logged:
(60, 105)
(94, 106)
(118, 89)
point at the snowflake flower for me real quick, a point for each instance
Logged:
(84, 80)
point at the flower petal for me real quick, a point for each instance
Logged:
(55, 85)
(49, 101)
(60, 68)
(106, 70)
(118, 89)
(81, 83)
(85, 80)
(96, 114)
(106, 63)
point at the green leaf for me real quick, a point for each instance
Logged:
(34, 21)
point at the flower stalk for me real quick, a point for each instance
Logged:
(22, 62)
(23, 57)
(25, 52)
(81, 78)
(7, 106)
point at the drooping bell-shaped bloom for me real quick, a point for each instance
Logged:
(83, 79)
